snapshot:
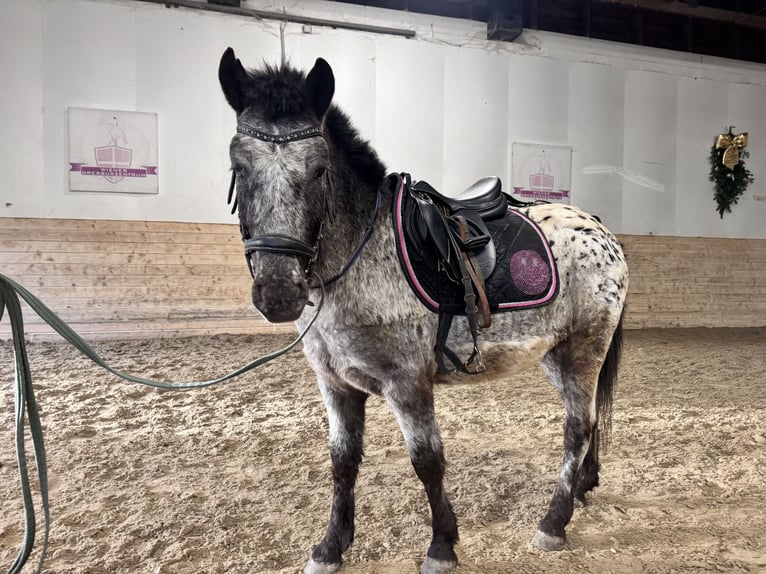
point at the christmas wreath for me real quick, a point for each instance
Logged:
(728, 171)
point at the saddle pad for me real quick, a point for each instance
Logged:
(525, 274)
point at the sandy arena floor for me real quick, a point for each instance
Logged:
(235, 478)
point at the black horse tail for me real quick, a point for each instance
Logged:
(607, 380)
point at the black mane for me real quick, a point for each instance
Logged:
(278, 93)
(357, 151)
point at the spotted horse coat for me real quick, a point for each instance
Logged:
(310, 203)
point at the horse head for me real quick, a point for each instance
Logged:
(281, 164)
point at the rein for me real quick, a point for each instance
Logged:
(26, 404)
(360, 247)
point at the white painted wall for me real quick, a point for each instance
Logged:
(445, 106)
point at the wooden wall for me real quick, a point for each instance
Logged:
(135, 278)
(131, 278)
(695, 281)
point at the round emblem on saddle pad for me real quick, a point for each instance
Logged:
(529, 272)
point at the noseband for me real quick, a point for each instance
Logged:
(279, 244)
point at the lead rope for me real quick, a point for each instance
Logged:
(25, 403)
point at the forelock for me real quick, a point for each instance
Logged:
(277, 92)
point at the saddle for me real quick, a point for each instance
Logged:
(441, 218)
(456, 255)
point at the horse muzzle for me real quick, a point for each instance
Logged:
(280, 290)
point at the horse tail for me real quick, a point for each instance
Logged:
(607, 379)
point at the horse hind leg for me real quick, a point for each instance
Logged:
(587, 478)
(345, 412)
(575, 368)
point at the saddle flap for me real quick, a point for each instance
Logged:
(432, 228)
(440, 230)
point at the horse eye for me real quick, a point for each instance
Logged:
(319, 172)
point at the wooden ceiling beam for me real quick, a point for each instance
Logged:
(684, 9)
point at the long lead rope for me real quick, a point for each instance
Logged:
(25, 403)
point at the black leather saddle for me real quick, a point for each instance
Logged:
(439, 223)
(470, 255)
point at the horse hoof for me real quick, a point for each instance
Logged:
(434, 566)
(320, 568)
(547, 542)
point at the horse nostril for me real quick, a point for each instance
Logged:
(298, 281)
(280, 299)
(257, 290)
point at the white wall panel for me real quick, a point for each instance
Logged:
(702, 112)
(538, 110)
(649, 150)
(193, 154)
(445, 105)
(409, 114)
(538, 100)
(596, 134)
(747, 112)
(475, 117)
(21, 105)
(352, 58)
(89, 61)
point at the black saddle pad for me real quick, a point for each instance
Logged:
(525, 274)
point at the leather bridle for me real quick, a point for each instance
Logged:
(280, 244)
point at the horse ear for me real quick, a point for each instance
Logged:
(233, 77)
(320, 86)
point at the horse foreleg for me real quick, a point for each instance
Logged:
(415, 415)
(345, 413)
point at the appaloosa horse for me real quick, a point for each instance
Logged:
(308, 189)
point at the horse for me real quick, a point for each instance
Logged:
(307, 188)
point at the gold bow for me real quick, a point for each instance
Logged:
(732, 144)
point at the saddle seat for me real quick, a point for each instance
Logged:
(485, 196)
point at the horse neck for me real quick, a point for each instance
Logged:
(353, 205)
(373, 292)
(354, 199)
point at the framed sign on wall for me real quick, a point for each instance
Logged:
(112, 151)
(541, 171)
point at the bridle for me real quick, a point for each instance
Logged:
(280, 244)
